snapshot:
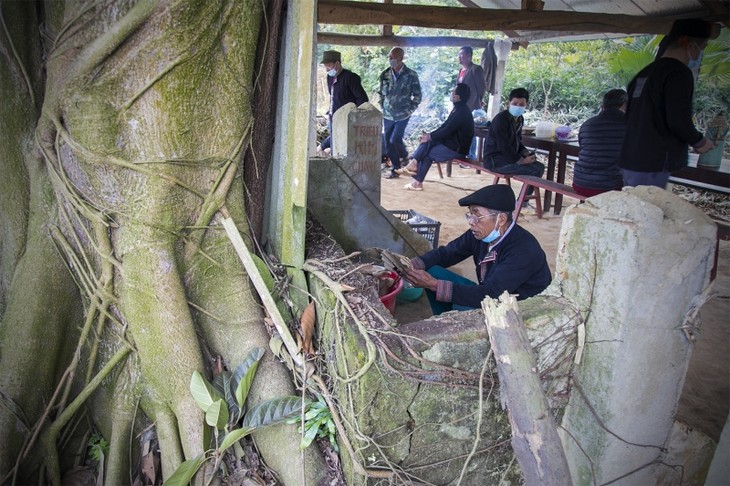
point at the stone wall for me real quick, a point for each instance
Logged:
(630, 265)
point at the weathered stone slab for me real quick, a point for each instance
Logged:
(633, 261)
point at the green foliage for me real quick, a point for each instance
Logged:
(223, 403)
(317, 423)
(566, 80)
(98, 449)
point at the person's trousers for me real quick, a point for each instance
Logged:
(427, 153)
(440, 273)
(393, 132)
(634, 178)
(536, 169)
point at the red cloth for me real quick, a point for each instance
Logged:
(584, 191)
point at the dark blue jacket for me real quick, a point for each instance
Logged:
(457, 131)
(504, 141)
(601, 138)
(518, 266)
(345, 88)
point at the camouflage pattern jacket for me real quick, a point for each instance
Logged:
(401, 95)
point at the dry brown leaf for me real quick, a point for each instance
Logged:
(149, 469)
(308, 323)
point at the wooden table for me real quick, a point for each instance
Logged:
(556, 157)
(717, 180)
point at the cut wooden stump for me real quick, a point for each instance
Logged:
(535, 438)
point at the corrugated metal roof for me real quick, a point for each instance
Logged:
(653, 8)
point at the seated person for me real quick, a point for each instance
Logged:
(503, 149)
(449, 141)
(601, 139)
(507, 257)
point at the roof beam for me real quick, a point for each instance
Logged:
(401, 41)
(487, 19)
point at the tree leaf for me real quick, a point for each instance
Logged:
(244, 374)
(275, 344)
(233, 437)
(224, 384)
(217, 414)
(309, 436)
(308, 322)
(203, 392)
(272, 411)
(186, 471)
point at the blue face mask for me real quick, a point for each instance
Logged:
(694, 66)
(332, 72)
(393, 63)
(516, 110)
(493, 235)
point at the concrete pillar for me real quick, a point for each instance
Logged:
(633, 261)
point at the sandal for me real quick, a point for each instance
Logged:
(411, 187)
(404, 171)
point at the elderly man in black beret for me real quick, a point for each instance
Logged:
(507, 257)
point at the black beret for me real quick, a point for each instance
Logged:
(498, 197)
(698, 28)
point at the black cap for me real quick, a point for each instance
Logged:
(498, 197)
(330, 56)
(697, 28)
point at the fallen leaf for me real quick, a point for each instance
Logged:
(308, 323)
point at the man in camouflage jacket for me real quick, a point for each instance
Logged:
(400, 95)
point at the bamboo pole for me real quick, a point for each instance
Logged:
(535, 438)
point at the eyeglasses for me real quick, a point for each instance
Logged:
(473, 218)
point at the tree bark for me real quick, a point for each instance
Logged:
(535, 439)
(145, 118)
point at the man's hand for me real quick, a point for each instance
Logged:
(425, 137)
(526, 160)
(420, 278)
(704, 145)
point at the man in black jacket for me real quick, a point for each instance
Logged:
(503, 149)
(507, 257)
(601, 138)
(344, 87)
(450, 140)
(659, 127)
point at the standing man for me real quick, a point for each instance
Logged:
(473, 76)
(344, 87)
(400, 95)
(659, 127)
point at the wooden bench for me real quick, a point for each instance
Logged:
(473, 164)
(540, 183)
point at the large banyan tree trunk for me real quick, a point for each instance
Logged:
(115, 175)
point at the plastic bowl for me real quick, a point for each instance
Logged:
(388, 299)
(563, 132)
(410, 294)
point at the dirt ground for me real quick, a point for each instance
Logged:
(705, 399)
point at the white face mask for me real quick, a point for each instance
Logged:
(332, 72)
